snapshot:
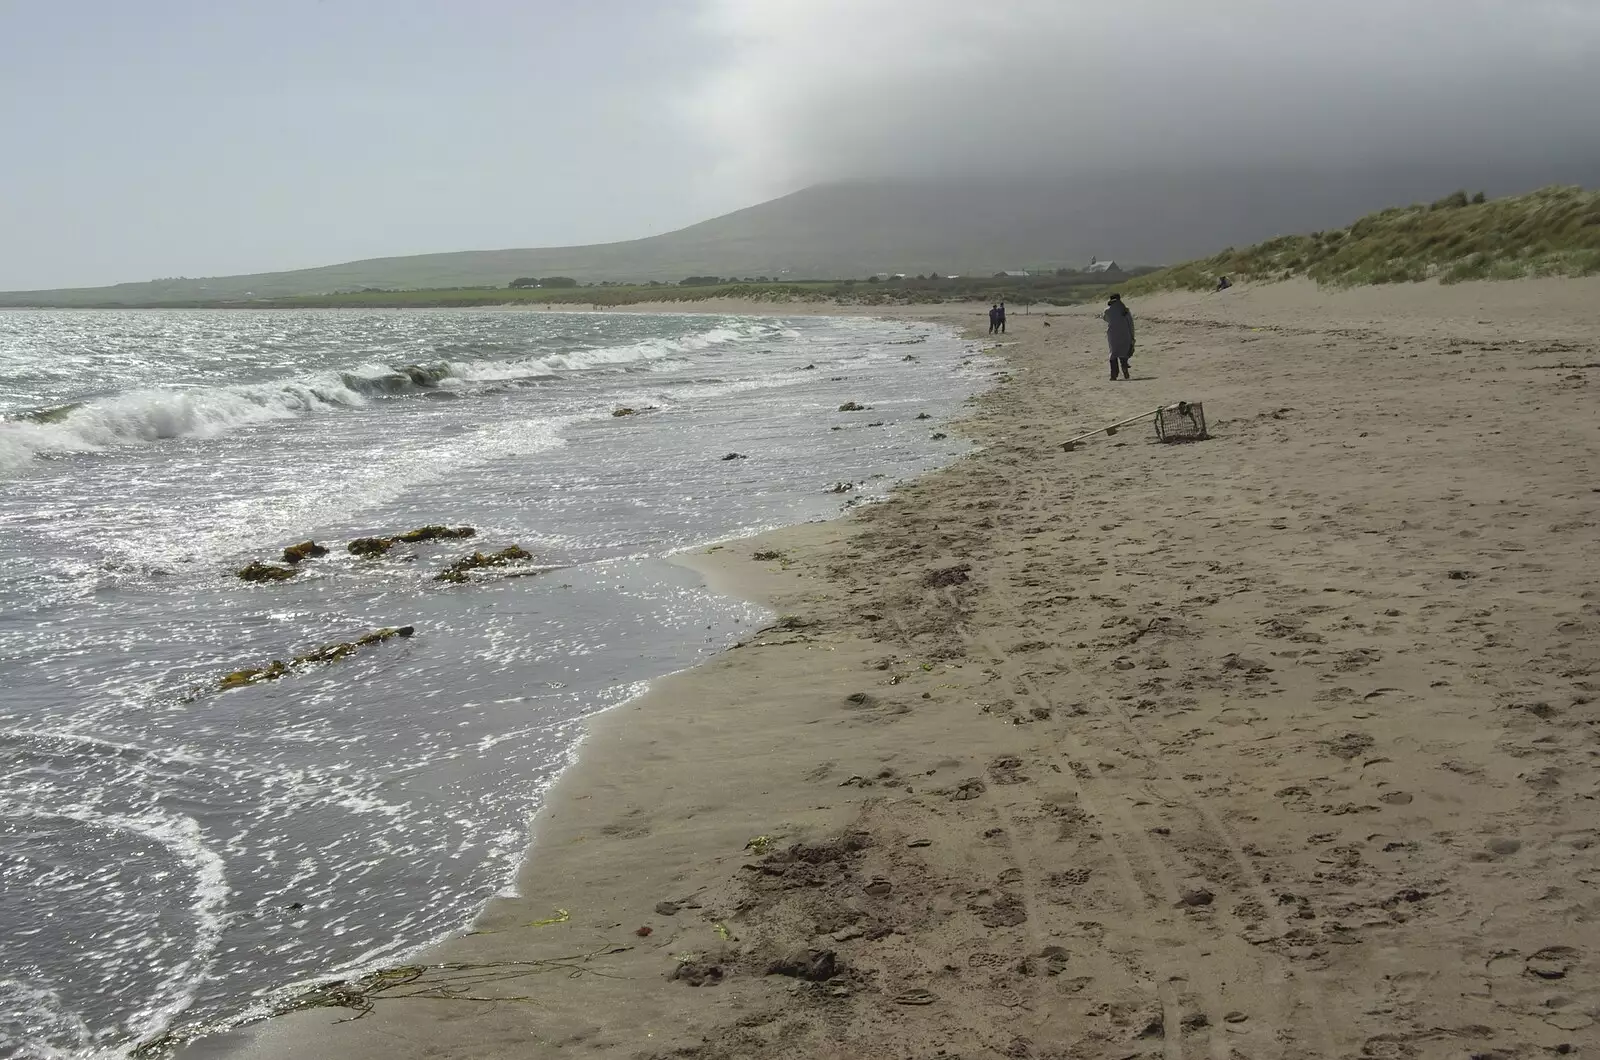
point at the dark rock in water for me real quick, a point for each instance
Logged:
(303, 551)
(434, 532)
(457, 571)
(421, 376)
(840, 487)
(325, 654)
(370, 547)
(938, 437)
(334, 652)
(239, 678)
(734, 456)
(809, 368)
(804, 963)
(908, 357)
(852, 406)
(53, 415)
(266, 572)
(923, 416)
(442, 395)
(625, 412)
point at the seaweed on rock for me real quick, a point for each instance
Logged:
(457, 572)
(326, 654)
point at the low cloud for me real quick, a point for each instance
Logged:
(831, 89)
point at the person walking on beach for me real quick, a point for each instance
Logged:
(1001, 310)
(994, 319)
(1119, 335)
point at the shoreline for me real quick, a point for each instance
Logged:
(1119, 752)
(719, 573)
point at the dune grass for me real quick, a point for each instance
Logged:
(1551, 232)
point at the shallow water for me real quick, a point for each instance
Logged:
(172, 856)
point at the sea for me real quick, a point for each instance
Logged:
(176, 857)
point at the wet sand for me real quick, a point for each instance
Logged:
(1275, 745)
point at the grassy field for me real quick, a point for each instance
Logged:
(1021, 291)
(1551, 232)
(465, 297)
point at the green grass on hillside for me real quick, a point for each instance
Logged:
(1551, 232)
(466, 297)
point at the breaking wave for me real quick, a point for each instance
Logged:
(159, 414)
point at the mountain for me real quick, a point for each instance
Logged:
(856, 228)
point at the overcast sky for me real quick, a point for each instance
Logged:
(205, 137)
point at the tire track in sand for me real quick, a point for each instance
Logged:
(1150, 921)
(1120, 834)
(1132, 895)
(1308, 999)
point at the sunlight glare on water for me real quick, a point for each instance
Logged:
(173, 856)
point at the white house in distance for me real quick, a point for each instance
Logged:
(1096, 265)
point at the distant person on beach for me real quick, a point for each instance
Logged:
(1001, 309)
(994, 319)
(1223, 284)
(1119, 335)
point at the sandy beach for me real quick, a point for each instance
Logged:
(1277, 745)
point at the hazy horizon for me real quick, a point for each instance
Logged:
(177, 139)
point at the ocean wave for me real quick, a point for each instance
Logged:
(145, 416)
(548, 364)
(160, 414)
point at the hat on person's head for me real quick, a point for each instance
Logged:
(1115, 298)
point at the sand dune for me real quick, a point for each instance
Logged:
(1275, 745)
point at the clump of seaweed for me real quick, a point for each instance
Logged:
(435, 532)
(372, 547)
(369, 547)
(459, 570)
(434, 982)
(265, 572)
(303, 551)
(444, 982)
(317, 656)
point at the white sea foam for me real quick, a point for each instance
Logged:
(37, 1015)
(182, 838)
(600, 357)
(146, 416)
(161, 414)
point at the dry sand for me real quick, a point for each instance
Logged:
(1279, 745)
